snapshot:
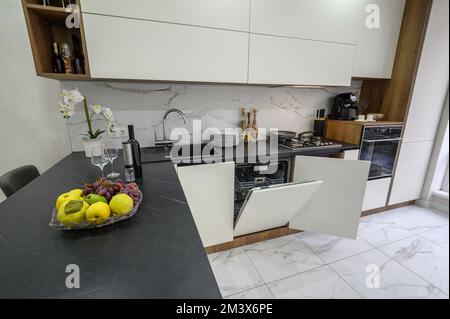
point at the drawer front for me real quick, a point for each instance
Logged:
(376, 193)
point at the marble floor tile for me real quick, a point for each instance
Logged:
(391, 281)
(234, 271)
(319, 283)
(255, 293)
(424, 258)
(417, 219)
(331, 248)
(438, 237)
(282, 257)
(397, 224)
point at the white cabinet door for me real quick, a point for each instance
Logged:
(272, 207)
(209, 190)
(121, 48)
(335, 209)
(376, 193)
(324, 20)
(431, 85)
(276, 60)
(224, 14)
(351, 155)
(376, 47)
(412, 166)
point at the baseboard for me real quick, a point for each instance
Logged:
(437, 203)
(386, 208)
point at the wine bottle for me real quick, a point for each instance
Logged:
(57, 61)
(78, 58)
(136, 152)
(67, 56)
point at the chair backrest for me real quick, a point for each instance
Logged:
(14, 180)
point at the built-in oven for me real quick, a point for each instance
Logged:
(379, 145)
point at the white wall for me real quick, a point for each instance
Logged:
(31, 129)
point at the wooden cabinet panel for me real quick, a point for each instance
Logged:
(277, 60)
(226, 14)
(376, 47)
(324, 20)
(121, 48)
(410, 172)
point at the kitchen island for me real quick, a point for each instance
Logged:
(156, 254)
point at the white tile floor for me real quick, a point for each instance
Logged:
(402, 253)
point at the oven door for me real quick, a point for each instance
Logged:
(381, 153)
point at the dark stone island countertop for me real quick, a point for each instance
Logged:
(156, 254)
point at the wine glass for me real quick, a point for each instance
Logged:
(98, 157)
(111, 154)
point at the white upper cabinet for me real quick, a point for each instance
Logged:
(225, 14)
(278, 60)
(121, 48)
(335, 209)
(376, 47)
(209, 190)
(324, 20)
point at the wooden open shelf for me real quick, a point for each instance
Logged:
(46, 24)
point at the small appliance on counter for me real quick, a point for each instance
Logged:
(345, 107)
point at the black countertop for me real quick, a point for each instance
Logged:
(160, 154)
(156, 254)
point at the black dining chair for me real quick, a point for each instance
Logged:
(14, 180)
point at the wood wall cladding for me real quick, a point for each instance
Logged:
(391, 97)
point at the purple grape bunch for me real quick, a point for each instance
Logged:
(108, 189)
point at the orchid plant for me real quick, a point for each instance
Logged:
(67, 108)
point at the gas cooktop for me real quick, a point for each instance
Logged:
(309, 143)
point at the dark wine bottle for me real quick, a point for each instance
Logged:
(78, 58)
(57, 61)
(136, 152)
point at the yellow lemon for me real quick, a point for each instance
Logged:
(98, 212)
(121, 204)
(72, 211)
(65, 197)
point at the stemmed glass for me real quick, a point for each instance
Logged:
(111, 154)
(98, 157)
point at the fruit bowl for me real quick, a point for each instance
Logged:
(54, 223)
(86, 209)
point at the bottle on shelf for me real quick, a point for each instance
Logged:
(67, 56)
(57, 61)
(132, 156)
(78, 58)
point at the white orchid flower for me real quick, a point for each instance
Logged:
(108, 114)
(67, 110)
(72, 97)
(97, 108)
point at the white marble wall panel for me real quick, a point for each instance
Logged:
(285, 108)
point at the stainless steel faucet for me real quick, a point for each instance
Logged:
(165, 141)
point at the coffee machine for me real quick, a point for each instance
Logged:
(345, 107)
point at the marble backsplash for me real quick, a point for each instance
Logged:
(143, 105)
